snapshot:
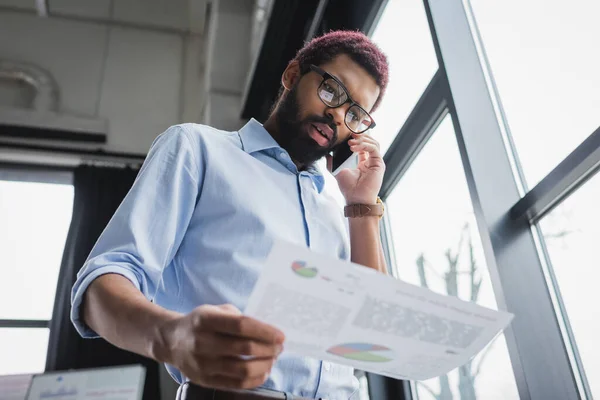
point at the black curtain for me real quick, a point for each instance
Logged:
(98, 193)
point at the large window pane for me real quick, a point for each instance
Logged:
(403, 34)
(34, 220)
(545, 60)
(436, 245)
(23, 350)
(572, 234)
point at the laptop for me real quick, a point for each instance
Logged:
(121, 382)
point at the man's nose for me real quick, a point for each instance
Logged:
(337, 114)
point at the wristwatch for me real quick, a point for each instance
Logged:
(364, 210)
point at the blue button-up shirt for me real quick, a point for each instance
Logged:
(199, 221)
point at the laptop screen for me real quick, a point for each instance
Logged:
(14, 387)
(122, 383)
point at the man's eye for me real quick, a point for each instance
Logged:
(328, 87)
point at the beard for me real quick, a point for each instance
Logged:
(293, 131)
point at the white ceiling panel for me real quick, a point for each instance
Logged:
(141, 87)
(19, 4)
(95, 9)
(160, 13)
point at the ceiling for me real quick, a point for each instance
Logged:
(177, 15)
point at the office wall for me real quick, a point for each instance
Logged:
(140, 76)
(131, 77)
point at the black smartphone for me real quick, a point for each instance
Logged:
(342, 157)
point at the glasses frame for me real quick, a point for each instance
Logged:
(326, 75)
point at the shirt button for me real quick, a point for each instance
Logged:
(283, 155)
(327, 366)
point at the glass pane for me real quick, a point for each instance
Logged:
(23, 350)
(436, 244)
(545, 60)
(403, 35)
(572, 233)
(34, 221)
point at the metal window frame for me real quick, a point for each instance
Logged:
(24, 323)
(421, 123)
(39, 174)
(17, 172)
(562, 181)
(545, 364)
(540, 357)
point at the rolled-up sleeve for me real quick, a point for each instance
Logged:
(145, 232)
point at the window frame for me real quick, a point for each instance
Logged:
(542, 349)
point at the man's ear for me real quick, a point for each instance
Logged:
(291, 75)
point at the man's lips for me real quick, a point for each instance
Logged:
(317, 136)
(324, 129)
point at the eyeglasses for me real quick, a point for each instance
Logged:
(334, 94)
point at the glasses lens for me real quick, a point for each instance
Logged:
(332, 93)
(357, 119)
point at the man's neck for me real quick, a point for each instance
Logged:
(271, 126)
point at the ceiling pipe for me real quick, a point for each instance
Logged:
(42, 7)
(46, 98)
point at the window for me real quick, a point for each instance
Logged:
(571, 233)
(544, 88)
(544, 59)
(403, 35)
(23, 350)
(34, 221)
(436, 245)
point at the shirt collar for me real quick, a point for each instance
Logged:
(255, 138)
(316, 176)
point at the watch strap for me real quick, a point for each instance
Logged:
(364, 210)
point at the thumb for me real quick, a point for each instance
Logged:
(230, 309)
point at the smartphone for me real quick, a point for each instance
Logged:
(343, 158)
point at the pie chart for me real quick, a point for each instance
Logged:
(362, 352)
(301, 269)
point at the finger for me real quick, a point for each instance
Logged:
(243, 326)
(230, 308)
(225, 345)
(373, 143)
(363, 156)
(360, 138)
(370, 148)
(241, 369)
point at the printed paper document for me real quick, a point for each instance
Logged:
(349, 314)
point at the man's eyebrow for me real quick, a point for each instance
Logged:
(342, 79)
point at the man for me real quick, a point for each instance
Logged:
(177, 262)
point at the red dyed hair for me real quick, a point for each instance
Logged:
(356, 45)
